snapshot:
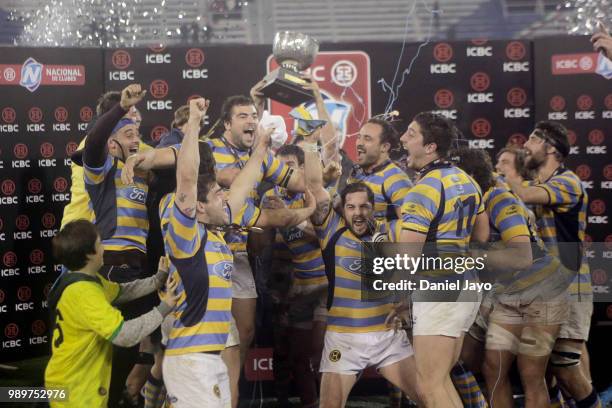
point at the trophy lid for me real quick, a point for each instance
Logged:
(296, 47)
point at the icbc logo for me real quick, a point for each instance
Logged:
(37, 257)
(35, 114)
(583, 171)
(121, 59)
(571, 137)
(8, 115)
(157, 47)
(443, 52)
(596, 137)
(481, 127)
(22, 222)
(71, 147)
(517, 139)
(480, 81)
(20, 150)
(157, 132)
(24, 293)
(194, 57)
(608, 102)
(607, 172)
(444, 98)
(48, 220)
(47, 150)
(9, 259)
(598, 207)
(584, 102)
(516, 97)
(515, 50)
(11, 330)
(599, 276)
(86, 113)
(557, 103)
(38, 327)
(34, 186)
(60, 184)
(479, 41)
(8, 187)
(61, 114)
(159, 88)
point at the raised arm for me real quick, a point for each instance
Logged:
(95, 145)
(313, 175)
(285, 217)
(188, 159)
(151, 159)
(328, 138)
(528, 194)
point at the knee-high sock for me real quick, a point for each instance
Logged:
(592, 401)
(468, 388)
(151, 392)
(555, 396)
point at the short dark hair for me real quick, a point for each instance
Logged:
(291, 150)
(107, 101)
(519, 161)
(230, 102)
(437, 129)
(356, 188)
(476, 163)
(206, 171)
(388, 134)
(74, 243)
(555, 134)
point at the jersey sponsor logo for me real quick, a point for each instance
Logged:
(335, 355)
(351, 264)
(135, 195)
(223, 269)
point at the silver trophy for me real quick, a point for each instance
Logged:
(294, 52)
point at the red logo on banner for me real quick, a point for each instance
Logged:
(259, 365)
(608, 102)
(443, 52)
(48, 220)
(86, 113)
(9, 259)
(47, 150)
(557, 103)
(444, 98)
(61, 114)
(596, 137)
(20, 150)
(24, 293)
(8, 187)
(480, 81)
(571, 137)
(2, 296)
(515, 50)
(60, 184)
(121, 59)
(598, 207)
(479, 41)
(584, 102)
(22, 222)
(194, 57)
(35, 114)
(481, 127)
(607, 171)
(349, 108)
(517, 139)
(9, 115)
(608, 241)
(583, 171)
(516, 97)
(34, 186)
(11, 330)
(157, 47)
(568, 64)
(159, 88)
(599, 276)
(71, 147)
(37, 257)
(157, 132)
(38, 327)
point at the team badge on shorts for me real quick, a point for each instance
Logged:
(217, 391)
(335, 355)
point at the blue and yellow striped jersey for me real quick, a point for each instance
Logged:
(305, 251)
(203, 263)
(120, 211)
(246, 217)
(348, 312)
(563, 222)
(390, 186)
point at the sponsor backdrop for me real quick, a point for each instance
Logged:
(487, 87)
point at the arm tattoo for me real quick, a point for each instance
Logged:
(323, 208)
(182, 197)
